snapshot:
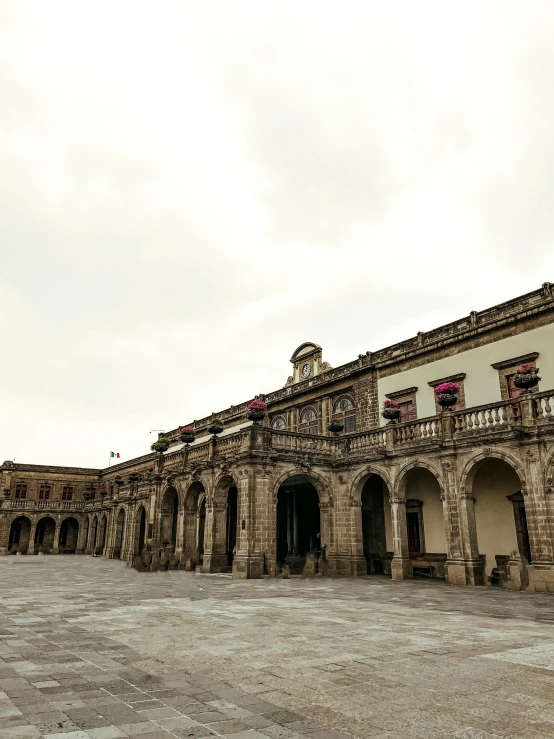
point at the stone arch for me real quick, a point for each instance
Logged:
(69, 533)
(19, 536)
(169, 512)
(320, 483)
(300, 510)
(86, 532)
(371, 510)
(45, 532)
(471, 467)
(102, 533)
(93, 534)
(495, 482)
(360, 478)
(194, 524)
(421, 485)
(401, 475)
(141, 529)
(225, 500)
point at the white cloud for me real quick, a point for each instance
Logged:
(189, 191)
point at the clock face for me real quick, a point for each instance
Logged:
(306, 369)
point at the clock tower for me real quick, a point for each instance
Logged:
(307, 363)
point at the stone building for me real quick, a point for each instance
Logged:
(464, 495)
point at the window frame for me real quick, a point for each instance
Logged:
(308, 427)
(67, 492)
(21, 494)
(344, 415)
(403, 397)
(459, 379)
(279, 417)
(507, 368)
(44, 491)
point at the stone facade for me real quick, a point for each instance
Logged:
(466, 496)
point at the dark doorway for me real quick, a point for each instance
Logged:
(201, 530)
(44, 534)
(119, 534)
(231, 524)
(69, 531)
(373, 524)
(142, 531)
(170, 510)
(298, 523)
(20, 533)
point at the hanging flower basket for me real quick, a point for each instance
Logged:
(391, 410)
(160, 446)
(335, 427)
(256, 410)
(87, 496)
(216, 426)
(447, 394)
(526, 376)
(119, 481)
(186, 434)
(134, 476)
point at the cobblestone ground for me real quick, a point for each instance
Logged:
(92, 650)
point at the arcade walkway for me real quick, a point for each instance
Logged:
(90, 649)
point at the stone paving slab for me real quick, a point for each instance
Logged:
(90, 649)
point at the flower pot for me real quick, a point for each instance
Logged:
(187, 437)
(335, 427)
(216, 427)
(447, 400)
(527, 381)
(119, 481)
(162, 445)
(391, 414)
(256, 416)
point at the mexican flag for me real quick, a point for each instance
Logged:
(114, 454)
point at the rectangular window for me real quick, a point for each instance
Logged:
(414, 536)
(67, 493)
(349, 424)
(44, 492)
(513, 391)
(21, 491)
(407, 411)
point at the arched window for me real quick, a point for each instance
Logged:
(308, 421)
(344, 411)
(278, 423)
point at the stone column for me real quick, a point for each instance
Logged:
(463, 564)
(5, 524)
(190, 533)
(248, 561)
(56, 545)
(539, 523)
(32, 533)
(215, 558)
(81, 537)
(401, 566)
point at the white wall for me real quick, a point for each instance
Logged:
(494, 514)
(481, 383)
(422, 485)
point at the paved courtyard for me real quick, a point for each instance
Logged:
(92, 650)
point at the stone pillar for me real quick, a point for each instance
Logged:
(401, 566)
(539, 523)
(81, 537)
(468, 529)
(294, 523)
(190, 533)
(56, 545)
(5, 524)
(248, 561)
(463, 564)
(215, 557)
(32, 533)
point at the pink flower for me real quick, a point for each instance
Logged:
(388, 403)
(527, 368)
(450, 388)
(186, 429)
(257, 405)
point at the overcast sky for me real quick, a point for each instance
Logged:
(189, 190)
